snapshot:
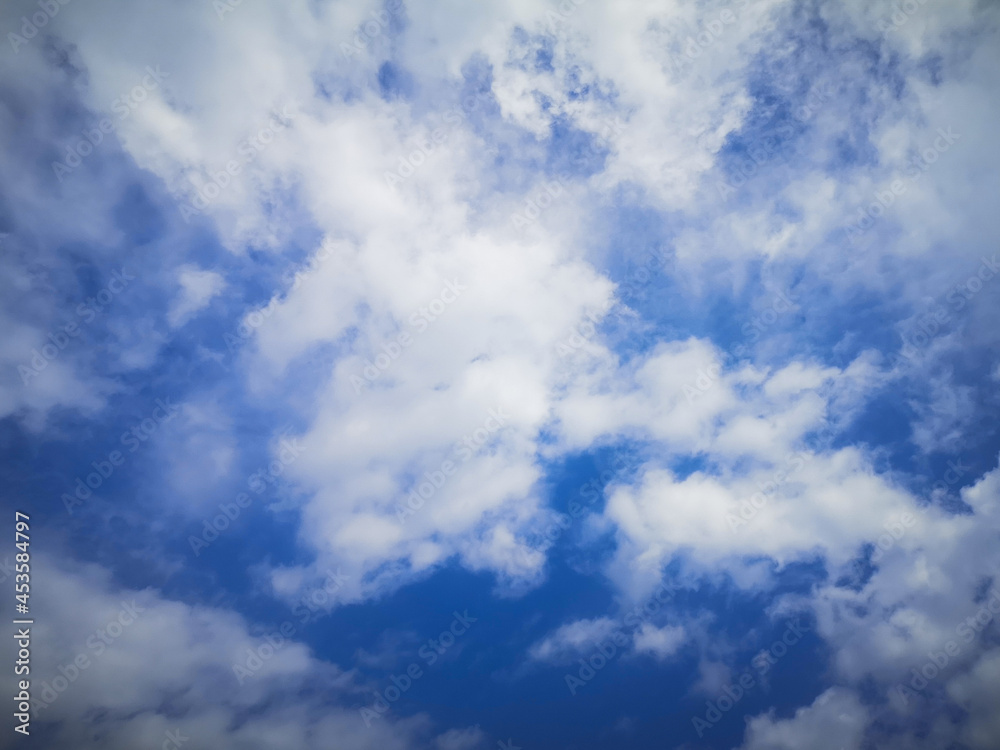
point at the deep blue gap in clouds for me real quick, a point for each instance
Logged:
(475, 682)
(394, 82)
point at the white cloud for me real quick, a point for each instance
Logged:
(188, 652)
(659, 642)
(526, 292)
(835, 721)
(462, 739)
(572, 639)
(494, 347)
(977, 692)
(198, 287)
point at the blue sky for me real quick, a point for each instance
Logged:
(430, 376)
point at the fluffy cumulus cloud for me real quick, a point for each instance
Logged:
(835, 720)
(154, 670)
(197, 287)
(771, 488)
(411, 272)
(660, 642)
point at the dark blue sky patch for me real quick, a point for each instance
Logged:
(139, 217)
(394, 82)
(573, 153)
